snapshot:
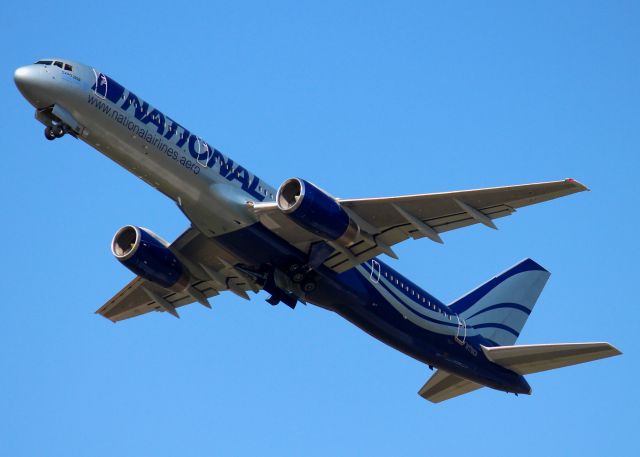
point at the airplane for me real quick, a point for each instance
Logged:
(300, 244)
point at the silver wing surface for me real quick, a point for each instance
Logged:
(211, 267)
(390, 220)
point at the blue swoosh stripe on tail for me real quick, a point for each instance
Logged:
(524, 309)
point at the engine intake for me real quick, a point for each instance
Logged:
(147, 255)
(317, 211)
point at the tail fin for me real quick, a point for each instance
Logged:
(499, 308)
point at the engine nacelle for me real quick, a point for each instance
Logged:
(147, 255)
(315, 210)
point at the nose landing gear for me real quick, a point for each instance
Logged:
(55, 131)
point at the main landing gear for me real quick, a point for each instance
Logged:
(301, 276)
(53, 132)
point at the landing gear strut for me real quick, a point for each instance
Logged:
(53, 132)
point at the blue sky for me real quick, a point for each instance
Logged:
(365, 99)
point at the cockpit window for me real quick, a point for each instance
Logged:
(57, 63)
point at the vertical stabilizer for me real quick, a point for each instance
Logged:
(499, 308)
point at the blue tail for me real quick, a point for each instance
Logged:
(499, 308)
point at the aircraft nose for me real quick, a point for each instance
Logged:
(29, 80)
(24, 77)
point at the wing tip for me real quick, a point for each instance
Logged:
(581, 187)
(614, 350)
(99, 313)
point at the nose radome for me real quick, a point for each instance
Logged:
(23, 76)
(30, 82)
(26, 80)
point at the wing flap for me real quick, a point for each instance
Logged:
(444, 385)
(533, 358)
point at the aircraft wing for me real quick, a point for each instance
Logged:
(444, 385)
(211, 267)
(390, 220)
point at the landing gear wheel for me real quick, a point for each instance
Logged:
(298, 277)
(58, 131)
(48, 134)
(309, 286)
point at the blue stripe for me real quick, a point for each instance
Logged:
(448, 324)
(430, 298)
(473, 297)
(500, 326)
(522, 308)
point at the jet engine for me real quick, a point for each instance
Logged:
(147, 255)
(317, 211)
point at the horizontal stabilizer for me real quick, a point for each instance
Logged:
(444, 385)
(534, 358)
